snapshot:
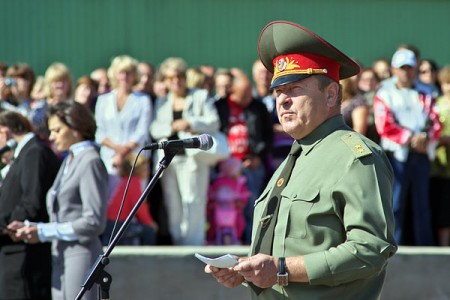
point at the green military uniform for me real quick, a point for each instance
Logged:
(335, 211)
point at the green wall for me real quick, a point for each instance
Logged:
(86, 34)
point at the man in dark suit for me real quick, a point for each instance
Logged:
(25, 270)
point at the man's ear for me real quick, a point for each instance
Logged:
(332, 94)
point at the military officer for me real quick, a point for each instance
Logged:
(323, 227)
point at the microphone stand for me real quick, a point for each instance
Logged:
(97, 274)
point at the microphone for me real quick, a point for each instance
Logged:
(202, 142)
(10, 145)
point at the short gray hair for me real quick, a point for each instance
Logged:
(323, 81)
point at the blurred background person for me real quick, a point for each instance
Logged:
(227, 197)
(282, 142)
(222, 83)
(155, 197)
(248, 127)
(195, 78)
(409, 127)
(261, 80)
(76, 202)
(159, 86)
(142, 230)
(428, 89)
(354, 108)
(38, 91)
(368, 83)
(5, 89)
(58, 80)
(183, 113)
(440, 169)
(85, 92)
(58, 88)
(3, 69)
(25, 271)
(428, 74)
(382, 68)
(39, 107)
(100, 75)
(21, 82)
(146, 74)
(209, 71)
(123, 117)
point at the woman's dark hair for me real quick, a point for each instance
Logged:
(434, 66)
(17, 123)
(76, 116)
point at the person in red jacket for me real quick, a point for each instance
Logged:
(142, 230)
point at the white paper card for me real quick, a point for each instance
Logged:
(224, 261)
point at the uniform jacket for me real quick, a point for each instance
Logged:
(25, 269)
(336, 212)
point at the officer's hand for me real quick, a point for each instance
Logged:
(225, 276)
(260, 269)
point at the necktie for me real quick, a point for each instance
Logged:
(264, 235)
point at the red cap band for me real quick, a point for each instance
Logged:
(305, 63)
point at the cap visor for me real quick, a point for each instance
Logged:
(287, 79)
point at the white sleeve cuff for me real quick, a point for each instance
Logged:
(56, 231)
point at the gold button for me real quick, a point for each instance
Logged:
(280, 182)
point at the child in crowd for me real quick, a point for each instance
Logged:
(227, 195)
(142, 230)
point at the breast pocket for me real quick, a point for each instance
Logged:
(302, 202)
(259, 208)
(260, 201)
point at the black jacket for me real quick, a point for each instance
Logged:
(259, 124)
(25, 270)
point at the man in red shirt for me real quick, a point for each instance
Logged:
(248, 127)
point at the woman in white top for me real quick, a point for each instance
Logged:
(182, 114)
(123, 117)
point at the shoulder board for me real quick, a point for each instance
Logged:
(356, 144)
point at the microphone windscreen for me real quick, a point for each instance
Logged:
(206, 141)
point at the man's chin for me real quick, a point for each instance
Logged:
(290, 130)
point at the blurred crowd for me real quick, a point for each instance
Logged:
(401, 102)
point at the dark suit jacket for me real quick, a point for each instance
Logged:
(26, 269)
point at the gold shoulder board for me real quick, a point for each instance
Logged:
(356, 145)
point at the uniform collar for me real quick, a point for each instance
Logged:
(323, 130)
